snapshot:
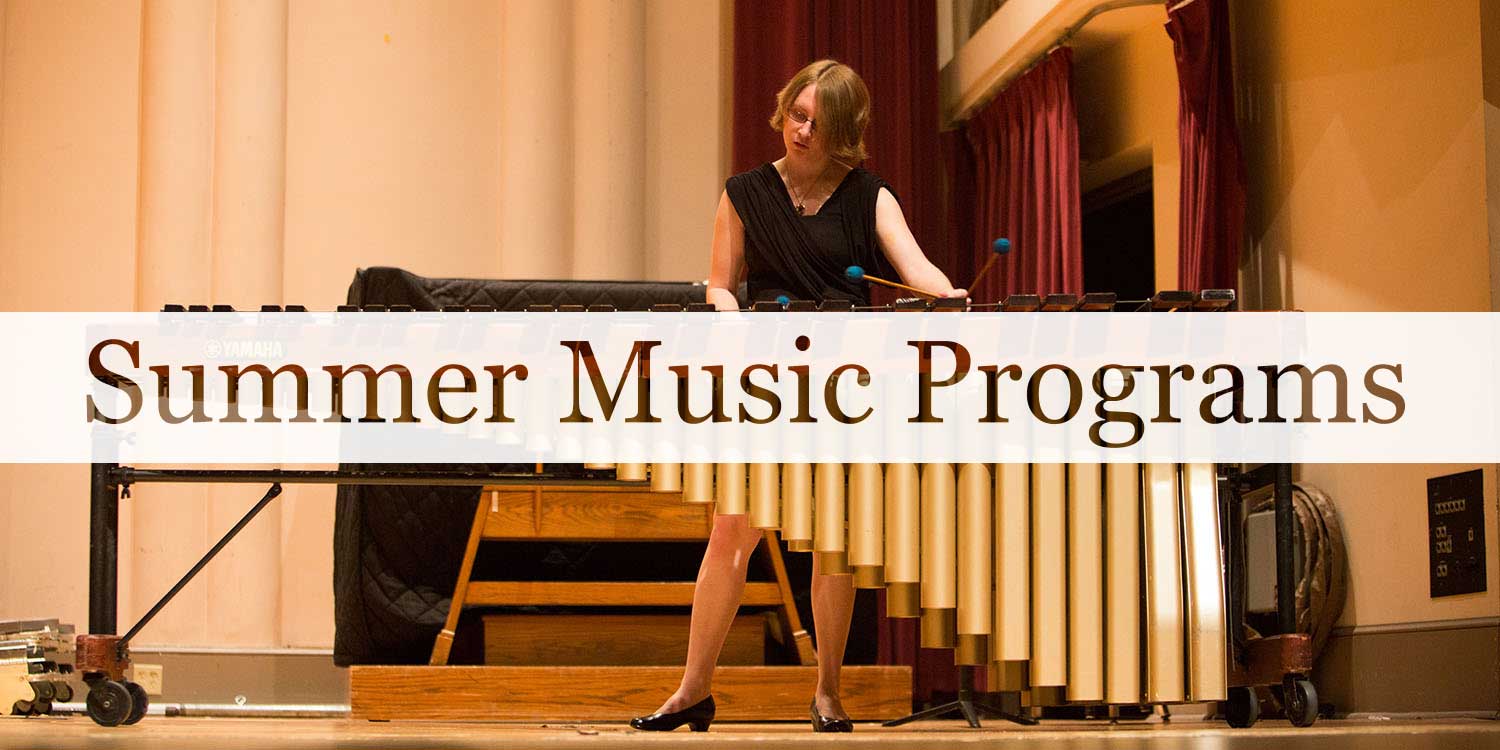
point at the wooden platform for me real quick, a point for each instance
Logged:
(616, 693)
(518, 640)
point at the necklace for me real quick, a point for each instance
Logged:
(799, 201)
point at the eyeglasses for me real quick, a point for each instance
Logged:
(801, 118)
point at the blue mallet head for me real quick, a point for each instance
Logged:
(1001, 246)
(783, 300)
(855, 273)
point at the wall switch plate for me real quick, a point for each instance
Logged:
(1455, 533)
(148, 676)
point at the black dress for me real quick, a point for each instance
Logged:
(807, 257)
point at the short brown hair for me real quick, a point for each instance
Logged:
(843, 107)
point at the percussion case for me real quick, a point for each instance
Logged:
(397, 549)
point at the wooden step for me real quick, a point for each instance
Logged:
(535, 694)
(609, 594)
(605, 512)
(622, 640)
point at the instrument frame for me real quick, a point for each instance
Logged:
(1283, 661)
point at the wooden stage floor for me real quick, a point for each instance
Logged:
(226, 734)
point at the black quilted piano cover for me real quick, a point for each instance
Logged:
(393, 286)
(397, 549)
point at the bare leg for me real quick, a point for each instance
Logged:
(833, 607)
(716, 599)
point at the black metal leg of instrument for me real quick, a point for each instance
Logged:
(1286, 575)
(970, 709)
(104, 525)
(243, 522)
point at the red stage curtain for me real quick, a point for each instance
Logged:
(958, 204)
(771, 43)
(892, 44)
(933, 671)
(1025, 151)
(1212, 219)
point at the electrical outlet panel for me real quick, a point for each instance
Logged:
(1455, 525)
(149, 677)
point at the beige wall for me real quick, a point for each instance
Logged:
(1364, 134)
(249, 152)
(1365, 142)
(1383, 508)
(68, 137)
(1126, 94)
(1490, 52)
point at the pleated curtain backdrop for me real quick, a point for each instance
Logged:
(1212, 219)
(1024, 147)
(958, 204)
(892, 44)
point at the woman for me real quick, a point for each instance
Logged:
(791, 228)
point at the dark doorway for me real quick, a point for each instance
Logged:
(1119, 239)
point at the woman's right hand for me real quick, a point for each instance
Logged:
(722, 299)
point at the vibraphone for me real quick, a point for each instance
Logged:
(1075, 583)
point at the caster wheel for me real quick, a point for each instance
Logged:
(1300, 699)
(20, 708)
(62, 692)
(41, 707)
(1242, 709)
(108, 703)
(138, 703)
(43, 691)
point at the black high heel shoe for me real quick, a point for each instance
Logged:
(823, 723)
(697, 716)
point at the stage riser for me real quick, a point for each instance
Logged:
(614, 640)
(609, 693)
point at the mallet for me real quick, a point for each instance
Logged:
(998, 248)
(855, 273)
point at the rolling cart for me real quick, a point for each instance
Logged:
(101, 657)
(1283, 663)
